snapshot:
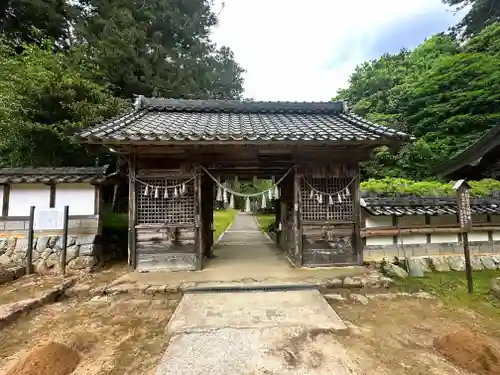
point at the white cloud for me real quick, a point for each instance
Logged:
(287, 46)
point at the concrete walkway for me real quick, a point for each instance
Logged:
(244, 247)
(244, 254)
(254, 333)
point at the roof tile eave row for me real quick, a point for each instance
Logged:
(332, 121)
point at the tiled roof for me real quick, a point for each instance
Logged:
(207, 120)
(93, 175)
(402, 206)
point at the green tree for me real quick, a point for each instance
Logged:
(158, 48)
(45, 98)
(480, 14)
(445, 93)
(33, 21)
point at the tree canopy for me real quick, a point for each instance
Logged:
(445, 92)
(480, 14)
(66, 65)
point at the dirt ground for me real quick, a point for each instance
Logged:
(398, 336)
(112, 336)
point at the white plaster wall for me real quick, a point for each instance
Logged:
(79, 197)
(378, 221)
(444, 237)
(408, 239)
(496, 236)
(478, 236)
(383, 240)
(444, 220)
(23, 196)
(1, 198)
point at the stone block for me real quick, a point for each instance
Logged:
(72, 252)
(488, 262)
(496, 259)
(439, 264)
(70, 241)
(21, 244)
(474, 248)
(74, 224)
(3, 245)
(46, 253)
(11, 245)
(418, 251)
(86, 240)
(87, 249)
(81, 262)
(476, 264)
(42, 243)
(456, 263)
(52, 241)
(417, 267)
(394, 271)
(4, 260)
(89, 223)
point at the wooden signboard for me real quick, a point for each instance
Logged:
(465, 220)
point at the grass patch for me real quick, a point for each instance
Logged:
(266, 221)
(113, 220)
(222, 219)
(451, 287)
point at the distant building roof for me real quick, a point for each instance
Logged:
(409, 206)
(479, 160)
(176, 120)
(95, 175)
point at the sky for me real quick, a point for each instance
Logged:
(300, 50)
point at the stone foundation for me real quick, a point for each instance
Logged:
(378, 252)
(81, 253)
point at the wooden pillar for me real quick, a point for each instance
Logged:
(132, 211)
(277, 212)
(297, 230)
(211, 201)
(358, 244)
(5, 202)
(207, 209)
(198, 219)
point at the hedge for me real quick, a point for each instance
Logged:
(389, 185)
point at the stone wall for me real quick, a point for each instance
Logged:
(377, 252)
(83, 245)
(82, 252)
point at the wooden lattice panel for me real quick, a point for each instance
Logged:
(170, 211)
(313, 210)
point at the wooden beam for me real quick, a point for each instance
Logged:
(422, 230)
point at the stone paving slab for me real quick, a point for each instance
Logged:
(206, 311)
(286, 332)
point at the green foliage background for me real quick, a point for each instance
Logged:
(445, 92)
(67, 65)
